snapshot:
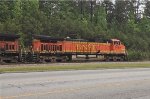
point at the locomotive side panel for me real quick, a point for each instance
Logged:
(86, 47)
(81, 47)
(119, 49)
(9, 48)
(36, 45)
(70, 47)
(104, 48)
(2, 45)
(46, 47)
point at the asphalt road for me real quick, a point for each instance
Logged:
(82, 84)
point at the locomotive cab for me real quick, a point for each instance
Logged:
(117, 46)
(115, 42)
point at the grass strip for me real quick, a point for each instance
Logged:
(73, 67)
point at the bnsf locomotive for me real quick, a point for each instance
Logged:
(48, 49)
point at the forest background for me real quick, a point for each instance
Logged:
(92, 19)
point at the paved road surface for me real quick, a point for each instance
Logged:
(82, 84)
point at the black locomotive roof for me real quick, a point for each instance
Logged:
(81, 40)
(52, 39)
(47, 38)
(9, 36)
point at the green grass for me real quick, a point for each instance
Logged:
(75, 67)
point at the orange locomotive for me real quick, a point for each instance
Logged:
(50, 49)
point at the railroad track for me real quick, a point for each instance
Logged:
(87, 63)
(57, 63)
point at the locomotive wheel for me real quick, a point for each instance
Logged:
(53, 60)
(123, 58)
(7, 61)
(107, 58)
(69, 58)
(1, 61)
(114, 59)
(47, 60)
(64, 59)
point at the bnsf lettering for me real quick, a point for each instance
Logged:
(88, 47)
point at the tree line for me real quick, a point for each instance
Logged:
(127, 20)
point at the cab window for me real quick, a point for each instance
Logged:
(116, 42)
